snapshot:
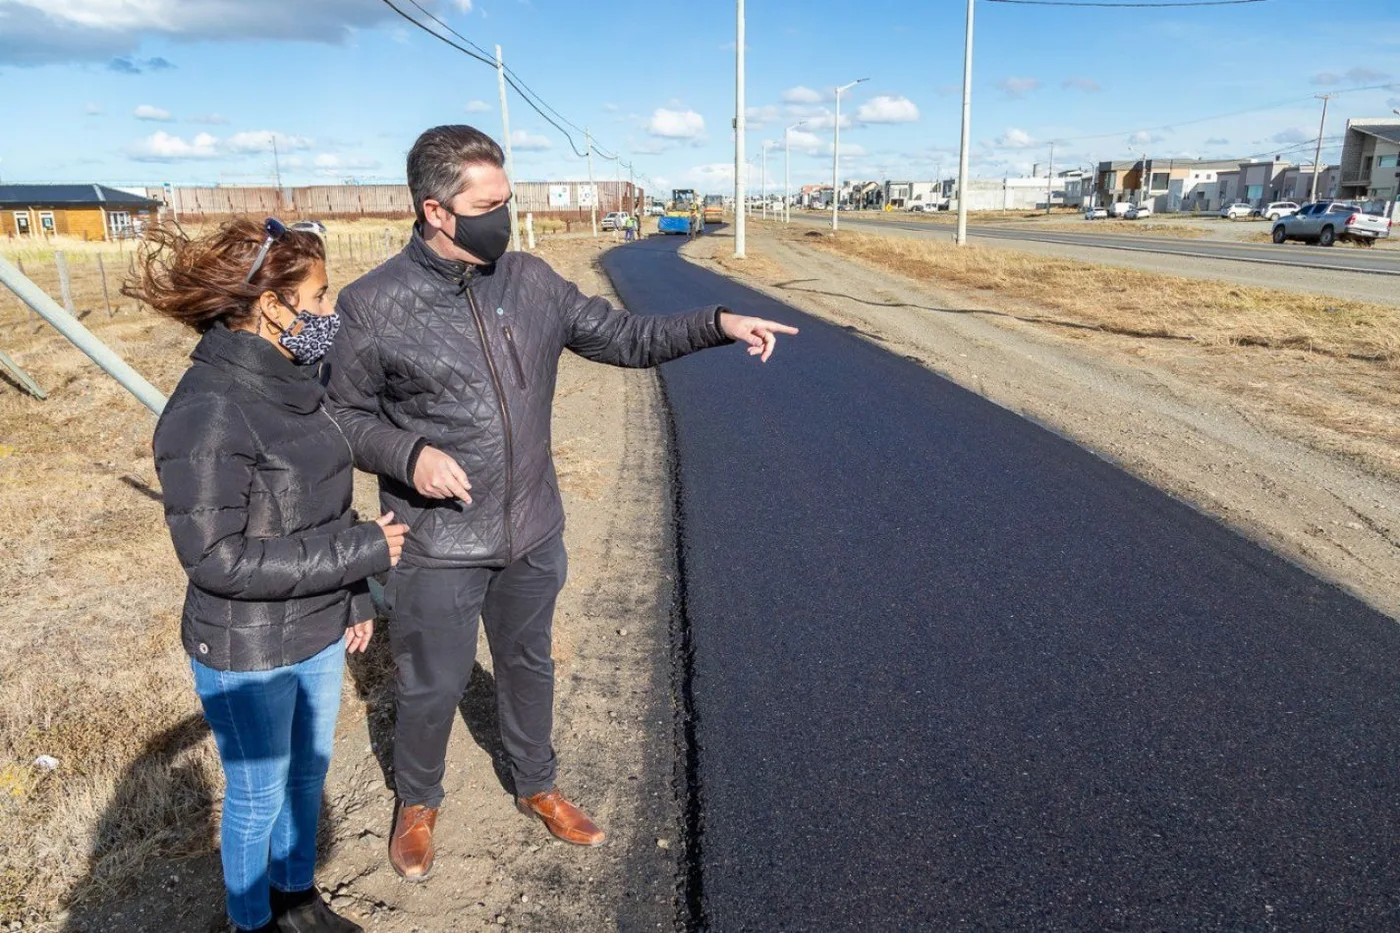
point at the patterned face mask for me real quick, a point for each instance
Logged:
(314, 340)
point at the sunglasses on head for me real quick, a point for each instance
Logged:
(276, 230)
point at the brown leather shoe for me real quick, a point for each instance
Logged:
(562, 818)
(411, 846)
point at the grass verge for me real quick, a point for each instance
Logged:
(1143, 304)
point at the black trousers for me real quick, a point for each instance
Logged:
(433, 630)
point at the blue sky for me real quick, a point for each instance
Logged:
(146, 91)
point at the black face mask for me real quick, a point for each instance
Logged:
(485, 236)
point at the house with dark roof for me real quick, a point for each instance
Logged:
(92, 212)
(1371, 159)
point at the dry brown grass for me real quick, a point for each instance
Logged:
(1143, 304)
(92, 672)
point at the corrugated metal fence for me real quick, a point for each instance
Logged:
(564, 200)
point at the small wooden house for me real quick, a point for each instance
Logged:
(92, 212)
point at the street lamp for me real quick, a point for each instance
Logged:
(787, 171)
(836, 155)
(965, 148)
(766, 144)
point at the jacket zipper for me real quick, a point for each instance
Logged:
(505, 416)
(514, 356)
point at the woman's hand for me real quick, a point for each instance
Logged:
(357, 636)
(394, 534)
(760, 335)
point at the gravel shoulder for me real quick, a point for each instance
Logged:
(1218, 427)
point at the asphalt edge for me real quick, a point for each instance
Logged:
(689, 902)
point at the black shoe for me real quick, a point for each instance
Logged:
(305, 912)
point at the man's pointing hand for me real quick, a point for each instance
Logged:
(760, 335)
(437, 476)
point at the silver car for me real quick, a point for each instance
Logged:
(1326, 222)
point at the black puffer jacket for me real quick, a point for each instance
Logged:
(465, 358)
(256, 479)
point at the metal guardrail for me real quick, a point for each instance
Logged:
(78, 335)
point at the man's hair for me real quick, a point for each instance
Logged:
(437, 160)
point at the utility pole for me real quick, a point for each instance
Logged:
(836, 156)
(277, 169)
(740, 165)
(1317, 156)
(1050, 177)
(787, 171)
(961, 238)
(592, 188)
(510, 157)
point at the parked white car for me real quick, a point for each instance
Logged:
(1095, 213)
(919, 207)
(1120, 208)
(613, 220)
(1237, 210)
(1279, 209)
(1139, 212)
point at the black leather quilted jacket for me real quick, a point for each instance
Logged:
(465, 357)
(256, 480)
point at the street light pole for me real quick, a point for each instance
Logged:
(1050, 177)
(836, 156)
(739, 162)
(961, 238)
(764, 176)
(787, 171)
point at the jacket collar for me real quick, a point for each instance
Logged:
(256, 364)
(459, 273)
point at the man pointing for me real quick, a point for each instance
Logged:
(442, 379)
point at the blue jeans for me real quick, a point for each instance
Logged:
(274, 730)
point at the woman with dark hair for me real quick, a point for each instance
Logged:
(256, 480)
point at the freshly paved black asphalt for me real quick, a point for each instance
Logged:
(1376, 262)
(952, 672)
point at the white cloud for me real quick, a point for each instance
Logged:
(525, 141)
(93, 110)
(887, 109)
(1144, 138)
(1018, 87)
(464, 5)
(147, 112)
(759, 117)
(676, 124)
(1352, 76)
(160, 146)
(1088, 85)
(802, 95)
(848, 150)
(1014, 139)
(803, 141)
(825, 119)
(38, 32)
(1293, 135)
(250, 141)
(212, 119)
(478, 106)
(331, 165)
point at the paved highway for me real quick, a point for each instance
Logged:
(1376, 262)
(947, 670)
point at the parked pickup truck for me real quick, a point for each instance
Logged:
(1326, 222)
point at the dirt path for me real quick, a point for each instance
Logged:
(123, 834)
(1235, 431)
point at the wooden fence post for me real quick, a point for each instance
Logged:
(386, 244)
(64, 284)
(106, 298)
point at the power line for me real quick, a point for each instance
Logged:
(489, 61)
(1126, 6)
